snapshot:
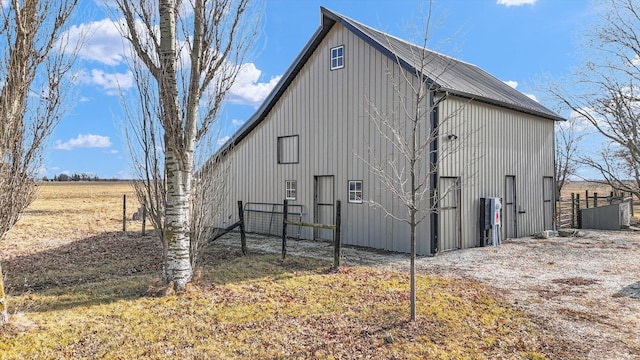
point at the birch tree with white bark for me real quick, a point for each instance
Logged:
(35, 64)
(190, 54)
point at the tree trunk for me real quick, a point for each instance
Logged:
(4, 315)
(177, 267)
(412, 213)
(178, 158)
(412, 267)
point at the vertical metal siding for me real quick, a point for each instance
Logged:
(497, 142)
(328, 110)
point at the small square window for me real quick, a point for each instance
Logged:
(288, 149)
(290, 189)
(337, 57)
(355, 191)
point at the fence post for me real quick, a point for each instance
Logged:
(586, 198)
(337, 252)
(578, 217)
(631, 196)
(243, 239)
(611, 198)
(144, 218)
(573, 211)
(284, 229)
(124, 212)
(595, 199)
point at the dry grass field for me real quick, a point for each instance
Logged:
(66, 212)
(579, 187)
(78, 288)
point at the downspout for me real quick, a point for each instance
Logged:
(556, 193)
(433, 163)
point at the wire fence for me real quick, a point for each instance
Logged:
(267, 218)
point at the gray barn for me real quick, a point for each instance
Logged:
(307, 140)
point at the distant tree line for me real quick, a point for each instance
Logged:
(77, 177)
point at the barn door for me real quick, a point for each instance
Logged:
(323, 206)
(510, 208)
(449, 214)
(548, 201)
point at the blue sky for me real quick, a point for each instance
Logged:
(518, 41)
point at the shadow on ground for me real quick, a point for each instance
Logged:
(632, 291)
(114, 266)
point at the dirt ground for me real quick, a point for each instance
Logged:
(585, 289)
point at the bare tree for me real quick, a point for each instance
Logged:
(36, 57)
(412, 129)
(568, 137)
(605, 93)
(192, 53)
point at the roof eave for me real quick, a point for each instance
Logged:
(328, 19)
(503, 104)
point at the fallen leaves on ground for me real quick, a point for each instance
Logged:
(88, 298)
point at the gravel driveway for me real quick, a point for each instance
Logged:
(586, 289)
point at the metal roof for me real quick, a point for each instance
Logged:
(451, 75)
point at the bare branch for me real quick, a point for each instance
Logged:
(193, 60)
(33, 86)
(605, 94)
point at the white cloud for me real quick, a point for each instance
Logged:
(223, 140)
(5, 3)
(516, 2)
(237, 122)
(248, 90)
(101, 41)
(580, 122)
(112, 83)
(84, 141)
(532, 97)
(113, 151)
(55, 168)
(513, 84)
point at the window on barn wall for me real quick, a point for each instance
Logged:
(290, 189)
(288, 149)
(337, 57)
(355, 191)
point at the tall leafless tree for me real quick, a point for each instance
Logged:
(568, 136)
(35, 61)
(605, 92)
(407, 172)
(191, 52)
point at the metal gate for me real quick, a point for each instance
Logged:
(266, 218)
(449, 214)
(510, 207)
(323, 202)
(548, 201)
